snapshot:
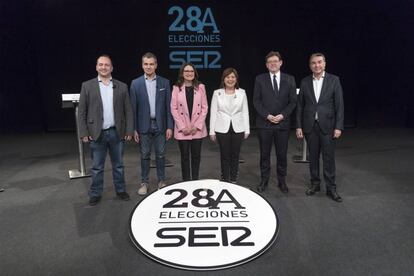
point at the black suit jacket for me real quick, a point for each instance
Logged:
(266, 102)
(330, 106)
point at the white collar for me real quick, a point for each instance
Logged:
(277, 75)
(100, 80)
(322, 77)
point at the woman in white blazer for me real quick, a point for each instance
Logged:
(229, 122)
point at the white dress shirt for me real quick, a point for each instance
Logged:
(277, 79)
(317, 87)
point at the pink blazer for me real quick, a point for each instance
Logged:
(180, 113)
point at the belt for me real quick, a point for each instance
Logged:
(108, 128)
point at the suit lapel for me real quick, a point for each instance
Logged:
(312, 91)
(269, 84)
(223, 99)
(97, 92)
(232, 102)
(237, 98)
(144, 89)
(282, 83)
(183, 95)
(196, 99)
(115, 88)
(157, 93)
(324, 85)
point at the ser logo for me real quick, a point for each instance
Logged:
(193, 35)
(203, 225)
(203, 198)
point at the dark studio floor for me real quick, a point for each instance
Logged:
(47, 228)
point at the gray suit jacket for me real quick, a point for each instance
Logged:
(330, 106)
(91, 110)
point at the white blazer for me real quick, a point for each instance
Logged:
(223, 113)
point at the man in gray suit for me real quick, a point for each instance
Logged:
(105, 121)
(320, 117)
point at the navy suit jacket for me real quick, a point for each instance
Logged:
(141, 107)
(330, 106)
(266, 102)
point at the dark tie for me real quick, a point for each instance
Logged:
(275, 88)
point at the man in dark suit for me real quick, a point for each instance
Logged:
(105, 120)
(320, 117)
(150, 98)
(274, 100)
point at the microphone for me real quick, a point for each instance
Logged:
(113, 86)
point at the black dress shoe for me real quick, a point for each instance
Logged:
(123, 196)
(283, 188)
(94, 200)
(313, 189)
(334, 196)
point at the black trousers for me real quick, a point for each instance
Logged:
(230, 144)
(319, 142)
(268, 137)
(190, 148)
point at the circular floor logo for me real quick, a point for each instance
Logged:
(203, 225)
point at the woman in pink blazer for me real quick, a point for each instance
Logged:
(189, 109)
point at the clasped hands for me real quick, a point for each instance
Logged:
(275, 119)
(189, 130)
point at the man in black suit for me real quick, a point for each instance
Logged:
(274, 100)
(320, 117)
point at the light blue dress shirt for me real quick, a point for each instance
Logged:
(152, 91)
(107, 96)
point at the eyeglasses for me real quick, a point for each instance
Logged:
(188, 71)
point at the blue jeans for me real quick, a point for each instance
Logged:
(156, 137)
(108, 140)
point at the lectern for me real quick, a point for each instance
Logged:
(72, 101)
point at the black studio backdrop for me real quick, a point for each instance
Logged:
(49, 47)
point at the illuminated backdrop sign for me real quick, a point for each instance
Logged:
(193, 36)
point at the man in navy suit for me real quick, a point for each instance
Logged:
(150, 98)
(320, 118)
(274, 100)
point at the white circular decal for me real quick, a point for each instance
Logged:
(203, 225)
